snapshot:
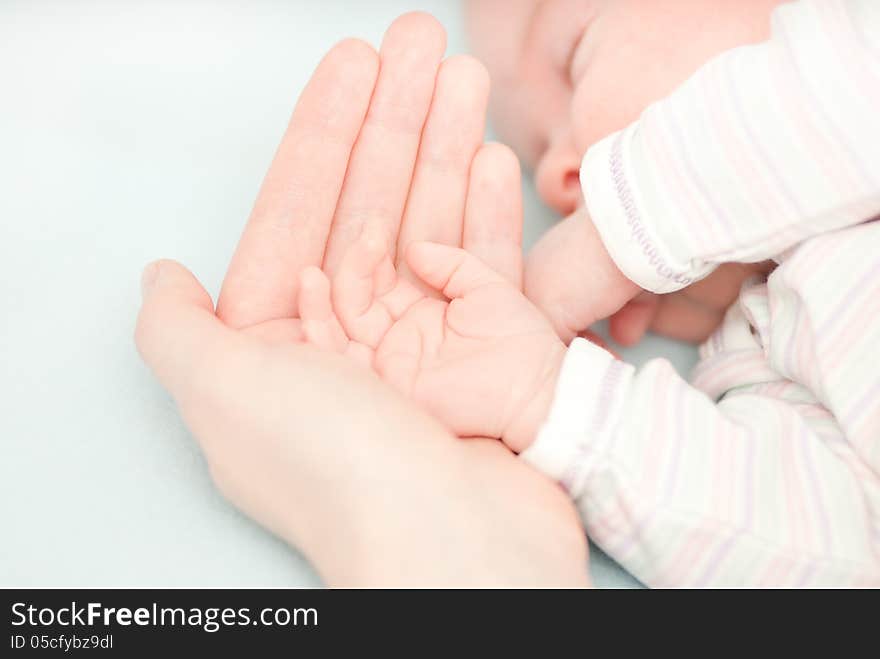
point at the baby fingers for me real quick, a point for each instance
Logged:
(320, 325)
(368, 296)
(451, 270)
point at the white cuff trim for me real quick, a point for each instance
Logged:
(615, 205)
(586, 406)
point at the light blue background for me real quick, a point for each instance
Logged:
(130, 131)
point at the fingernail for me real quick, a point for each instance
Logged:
(149, 277)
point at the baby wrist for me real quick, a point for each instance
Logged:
(586, 408)
(523, 430)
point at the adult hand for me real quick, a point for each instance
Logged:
(313, 447)
(387, 139)
(325, 455)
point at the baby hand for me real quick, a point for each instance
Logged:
(571, 277)
(483, 359)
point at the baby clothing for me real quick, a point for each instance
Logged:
(765, 470)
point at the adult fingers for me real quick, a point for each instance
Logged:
(453, 133)
(383, 160)
(291, 219)
(494, 215)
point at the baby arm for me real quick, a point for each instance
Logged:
(679, 489)
(686, 492)
(763, 147)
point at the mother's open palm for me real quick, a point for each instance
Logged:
(318, 451)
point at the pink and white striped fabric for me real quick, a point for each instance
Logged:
(765, 470)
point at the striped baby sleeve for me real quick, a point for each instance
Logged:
(762, 148)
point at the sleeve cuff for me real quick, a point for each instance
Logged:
(615, 203)
(585, 411)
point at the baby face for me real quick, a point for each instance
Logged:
(566, 73)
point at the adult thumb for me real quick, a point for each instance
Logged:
(177, 332)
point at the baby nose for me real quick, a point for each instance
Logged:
(556, 176)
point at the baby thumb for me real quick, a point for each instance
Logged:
(451, 270)
(177, 331)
